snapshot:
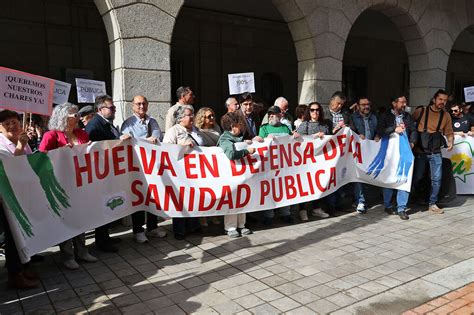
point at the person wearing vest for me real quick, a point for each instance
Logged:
(433, 123)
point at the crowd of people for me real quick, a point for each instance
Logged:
(429, 129)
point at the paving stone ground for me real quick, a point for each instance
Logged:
(349, 264)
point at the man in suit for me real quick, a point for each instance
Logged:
(101, 128)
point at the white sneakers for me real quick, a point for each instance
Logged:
(319, 213)
(141, 237)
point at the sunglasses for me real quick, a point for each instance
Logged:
(75, 115)
(209, 116)
(454, 110)
(314, 110)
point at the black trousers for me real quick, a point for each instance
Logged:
(12, 259)
(102, 236)
(138, 219)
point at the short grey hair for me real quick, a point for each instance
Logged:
(227, 101)
(58, 120)
(179, 113)
(280, 100)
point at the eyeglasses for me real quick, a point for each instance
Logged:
(75, 115)
(209, 116)
(142, 103)
(314, 110)
(110, 107)
(189, 115)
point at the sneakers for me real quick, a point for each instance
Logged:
(435, 209)
(319, 213)
(304, 215)
(245, 231)
(233, 233)
(403, 215)
(88, 258)
(140, 238)
(158, 232)
(71, 264)
(361, 208)
(389, 211)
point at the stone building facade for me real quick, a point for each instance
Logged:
(433, 42)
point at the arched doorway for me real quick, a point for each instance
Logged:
(460, 73)
(212, 39)
(375, 60)
(61, 40)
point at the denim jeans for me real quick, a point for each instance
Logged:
(359, 193)
(435, 162)
(402, 199)
(270, 214)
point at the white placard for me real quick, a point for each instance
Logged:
(25, 92)
(61, 92)
(241, 83)
(469, 94)
(88, 90)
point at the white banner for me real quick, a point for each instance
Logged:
(88, 90)
(70, 191)
(469, 94)
(241, 82)
(462, 159)
(61, 92)
(25, 92)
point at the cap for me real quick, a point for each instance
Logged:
(274, 110)
(86, 110)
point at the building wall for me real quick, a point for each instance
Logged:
(221, 43)
(48, 37)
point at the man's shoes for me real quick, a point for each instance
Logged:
(158, 232)
(140, 238)
(288, 219)
(71, 264)
(245, 231)
(107, 247)
(233, 233)
(88, 258)
(389, 211)
(303, 215)
(319, 213)
(19, 281)
(403, 215)
(30, 274)
(361, 209)
(435, 209)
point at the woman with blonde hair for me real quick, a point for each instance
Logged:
(205, 120)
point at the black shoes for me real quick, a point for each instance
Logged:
(389, 211)
(403, 215)
(107, 247)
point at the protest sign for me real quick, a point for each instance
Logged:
(25, 92)
(73, 190)
(61, 92)
(462, 160)
(469, 94)
(241, 83)
(88, 90)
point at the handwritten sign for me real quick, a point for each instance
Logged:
(241, 83)
(25, 92)
(469, 94)
(88, 90)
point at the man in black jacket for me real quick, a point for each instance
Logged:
(101, 128)
(397, 121)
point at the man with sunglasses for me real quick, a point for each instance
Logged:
(463, 125)
(101, 128)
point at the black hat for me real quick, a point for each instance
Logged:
(86, 110)
(274, 110)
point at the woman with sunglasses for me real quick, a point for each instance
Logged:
(315, 125)
(64, 132)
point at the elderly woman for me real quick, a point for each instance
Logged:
(13, 142)
(206, 122)
(186, 134)
(64, 131)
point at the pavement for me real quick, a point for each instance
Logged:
(349, 264)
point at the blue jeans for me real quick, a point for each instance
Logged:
(402, 199)
(359, 193)
(435, 162)
(270, 214)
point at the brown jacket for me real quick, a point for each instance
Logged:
(446, 127)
